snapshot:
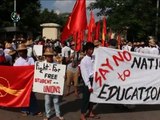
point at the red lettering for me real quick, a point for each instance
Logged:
(103, 73)
(36, 79)
(45, 81)
(125, 74)
(127, 55)
(118, 58)
(51, 89)
(107, 64)
(98, 79)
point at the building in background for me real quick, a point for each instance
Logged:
(50, 30)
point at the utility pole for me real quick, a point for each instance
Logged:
(157, 15)
(15, 11)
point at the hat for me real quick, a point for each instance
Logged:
(96, 42)
(48, 51)
(21, 46)
(12, 52)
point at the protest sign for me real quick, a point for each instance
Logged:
(123, 77)
(49, 78)
(38, 49)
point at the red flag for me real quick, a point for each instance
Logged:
(15, 86)
(66, 31)
(77, 21)
(78, 37)
(119, 40)
(97, 31)
(91, 28)
(110, 34)
(104, 31)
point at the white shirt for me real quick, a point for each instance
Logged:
(71, 68)
(126, 47)
(145, 50)
(65, 51)
(154, 51)
(86, 67)
(24, 62)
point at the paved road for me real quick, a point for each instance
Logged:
(70, 107)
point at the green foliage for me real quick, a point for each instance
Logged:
(29, 12)
(137, 16)
(31, 15)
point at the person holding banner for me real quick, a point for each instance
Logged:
(86, 68)
(24, 60)
(51, 98)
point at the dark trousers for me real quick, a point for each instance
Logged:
(86, 105)
(33, 107)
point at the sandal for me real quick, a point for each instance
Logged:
(46, 118)
(40, 114)
(60, 118)
(24, 113)
(94, 116)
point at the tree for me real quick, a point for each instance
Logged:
(29, 12)
(138, 17)
(47, 16)
(31, 15)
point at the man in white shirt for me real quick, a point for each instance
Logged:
(66, 51)
(24, 60)
(86, 68)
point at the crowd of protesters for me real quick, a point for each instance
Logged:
(19, 52)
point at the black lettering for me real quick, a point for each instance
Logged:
(119, 95)
(153, 93)
(136, 62)
(103, 92)
(147, 96)
(151, 62)
(135, 94)
(144, 63)
(128, 97)
(112, 92)
(141, 91)
(158, 94)
(156, 64)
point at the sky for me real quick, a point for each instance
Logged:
(64, 6)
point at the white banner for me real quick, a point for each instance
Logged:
(123, 77)
(49, 78)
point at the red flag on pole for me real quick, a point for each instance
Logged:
(97, 32)
(15, 86)
(66, 31)
(79, 37)
(119, 40)
(77, 21)
(104, 31)
(110, 34)
(91, 28)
